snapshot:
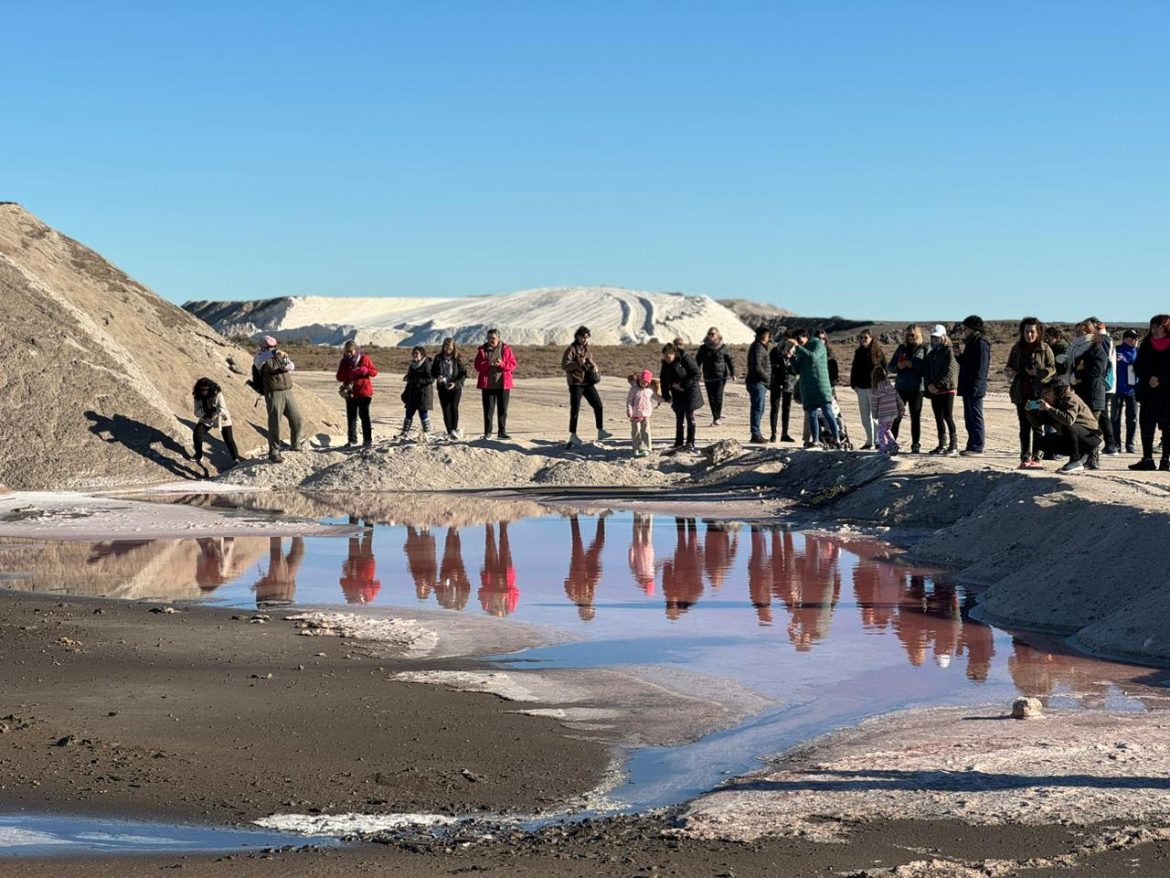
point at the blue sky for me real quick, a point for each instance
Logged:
(887, 159)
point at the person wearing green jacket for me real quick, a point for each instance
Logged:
(811, 362)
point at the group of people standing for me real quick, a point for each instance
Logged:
(1075, 399)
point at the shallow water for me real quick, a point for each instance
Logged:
(831, 629)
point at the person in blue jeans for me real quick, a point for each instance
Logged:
(974, 364)
(759, 375)
(1124, 398)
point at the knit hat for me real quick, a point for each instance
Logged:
(647, 376)
(267, 343)
(939, 331)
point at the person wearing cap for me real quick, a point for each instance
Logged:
(1125, 398)
(940, 374)
(1077, 433)
(582, 374)
(974, 365)
(272, 375)
(641, 401)
(1030, 364)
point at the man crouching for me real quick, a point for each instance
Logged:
(1075, 424)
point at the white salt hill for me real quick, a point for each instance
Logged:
(544, 316)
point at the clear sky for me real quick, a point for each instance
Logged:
(884, 159)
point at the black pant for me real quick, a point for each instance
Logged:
(495, 399)
(449, 402)
(681, 418)
(943, 407)
(229, 440)
(589, 391)
(1105, 424)
(355, 407)
(913, 400)
(1030, 436)
(1076, 441)
(1120, 406)
(715, 397)
(781, 404)
(1148, 423)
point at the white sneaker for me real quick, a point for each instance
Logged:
(456, 435)
(602, 435)
(424, 436)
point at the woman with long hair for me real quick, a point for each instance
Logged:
(1031, 364)
(866, 356)
(718, 368)
(907, 364)
(1091, 360)
(680, 387)
(582, 374)
(1152, 369)
(210, 412)
(449, 373)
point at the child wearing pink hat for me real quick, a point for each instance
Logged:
(641, 401)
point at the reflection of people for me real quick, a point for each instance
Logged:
(454, 587)
(812, 593)
(719, 547)
(214, 564)
(759, 573)
(359, 570)
(878, 590)
(498, 594)
(641, 555)
(682, 575)
(279, 584)
(584, 567)
(420, 560)
(929, 622)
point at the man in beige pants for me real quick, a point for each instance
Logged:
(272, 371)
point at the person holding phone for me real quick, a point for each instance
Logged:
(1077, 433)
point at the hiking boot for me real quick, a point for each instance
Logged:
(504, 436)
(772, 439)
(602, 435)
(275, 457)
(1093, 461)
(941, 449)
(758, 440)
(572, 442)
(1074, 465)
(952, 451)
(915, 449)
(786, 438)
(1146, 463)
(487, 436)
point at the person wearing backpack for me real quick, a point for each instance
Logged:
(272, 376)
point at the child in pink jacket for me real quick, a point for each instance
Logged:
(887, 407)
(641, 401)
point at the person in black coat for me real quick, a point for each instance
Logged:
(1152, 390)
(759, 376)
(974, 365)
(718, 368)
(680, 387)
(449, 372)
(781, 386)
(419, 395)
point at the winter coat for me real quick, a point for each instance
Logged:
(1024, 386)
(974, 364)
(864, 361)
(887, 405)
(1067, 409)
(357, 371)
(812, 362)
(420, 386)
(781, 369)
(1060, 352)
(908, 380)
(575, 361)
(1090, 367)
(271, 373)
(941, 369)
(716, 362)
(1078, 347)
(680, 384)
(1125, 357)
(213, 412)
(759, 366)
(494, 368)
(641, 402)
(1152, 363)
(450, 368)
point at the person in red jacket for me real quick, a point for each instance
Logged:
(495, 363)
(355, 373)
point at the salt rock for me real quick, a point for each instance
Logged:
(1027, 708)
(725, 449)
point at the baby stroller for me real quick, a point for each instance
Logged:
(845, 443)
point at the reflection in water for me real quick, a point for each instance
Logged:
(772, 615)
(359, 572)
(278, 585)
(584, 567)
(498, 594)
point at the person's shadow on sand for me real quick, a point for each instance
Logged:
(143, 439)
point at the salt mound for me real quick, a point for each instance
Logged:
(96, 370)
(532, 317)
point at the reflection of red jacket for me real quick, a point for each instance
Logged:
(497, 600)
(358, 371)
(357, 580)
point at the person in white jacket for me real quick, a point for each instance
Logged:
(211, 412)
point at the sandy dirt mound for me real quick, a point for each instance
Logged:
(97, 370)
